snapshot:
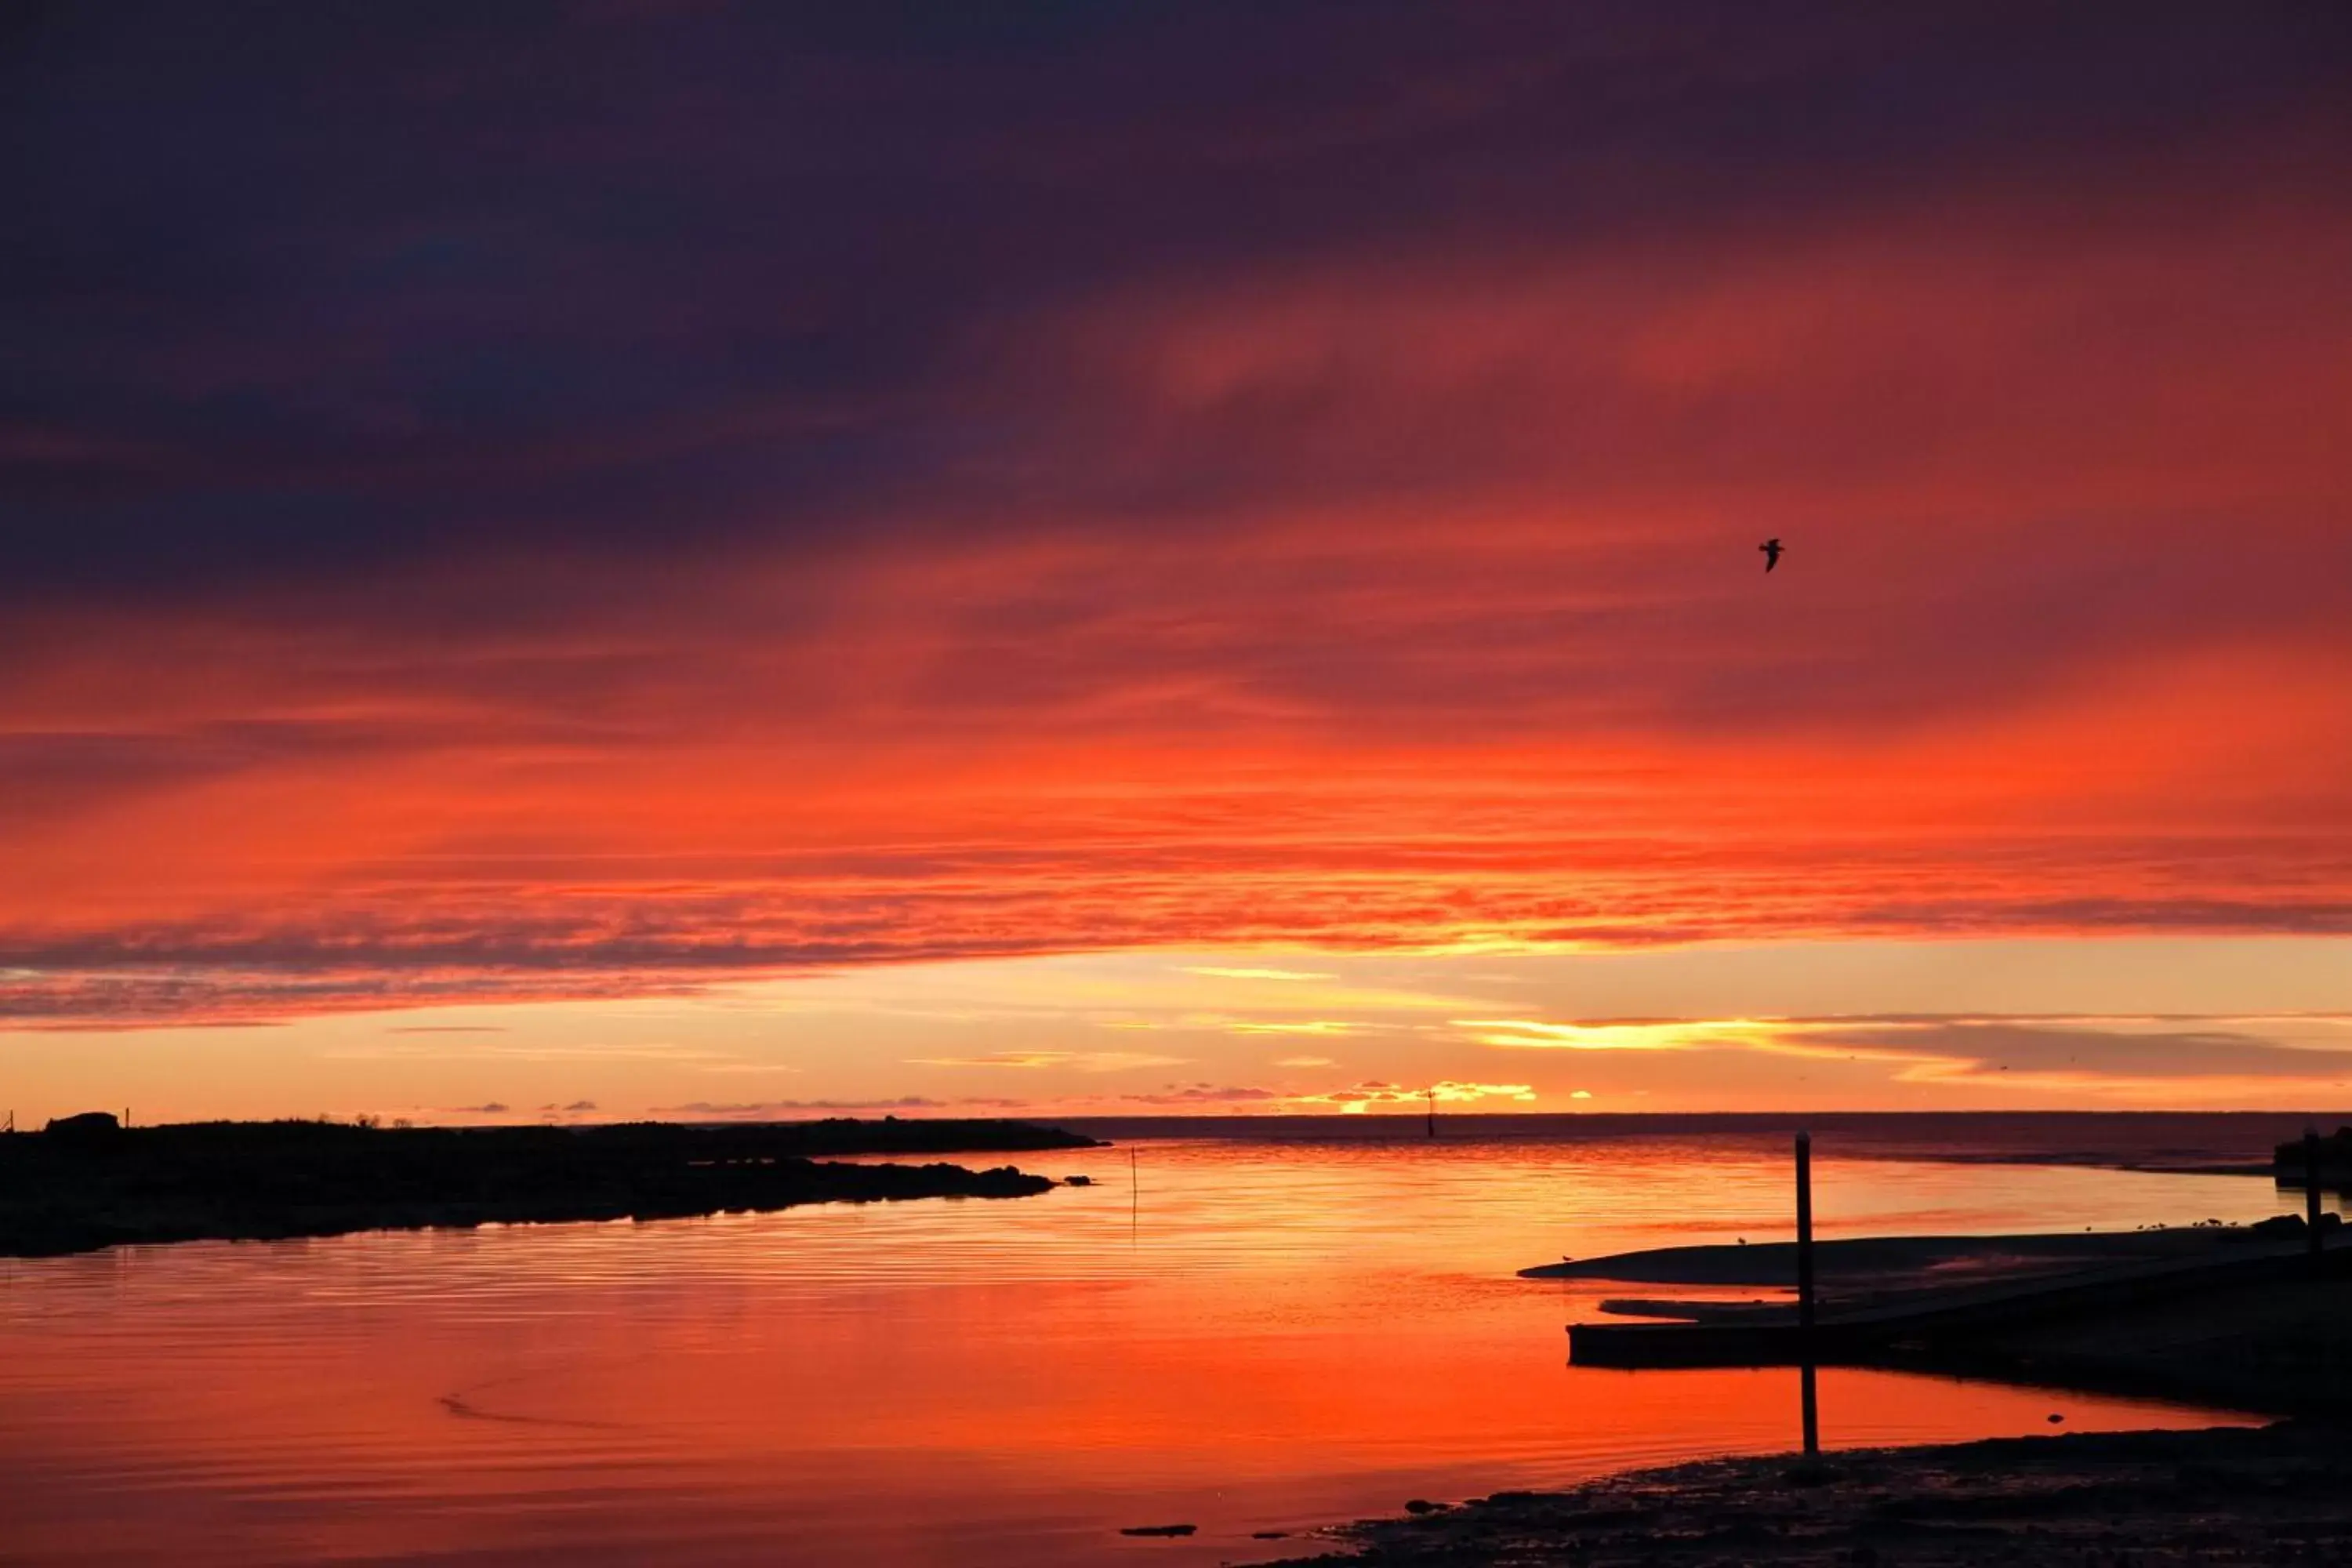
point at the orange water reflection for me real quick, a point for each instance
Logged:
(1290, 1335)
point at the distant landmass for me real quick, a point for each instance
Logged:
(2293, 1162)
(86, 1182)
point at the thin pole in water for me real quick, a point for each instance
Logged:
(1135, 1199)
(2311, 1193)
(1807, 1389)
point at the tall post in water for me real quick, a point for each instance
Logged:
(2311, 1194)
(1807, 1389)
(1433, 1113)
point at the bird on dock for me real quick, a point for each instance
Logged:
(1771, 549)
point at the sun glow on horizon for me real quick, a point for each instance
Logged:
(1783, 1026)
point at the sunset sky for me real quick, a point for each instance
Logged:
(617, 558)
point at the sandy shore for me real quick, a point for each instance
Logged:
(1884, 1261)
(2265, 1495)
(2280, 1345)
(1871, 1272)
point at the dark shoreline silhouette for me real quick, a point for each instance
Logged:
(2226, 1495)
(2291, 1162)
(86, 1182)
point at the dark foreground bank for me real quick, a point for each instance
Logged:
(2148, 1499)
(2190, 1327)
(88, 1183)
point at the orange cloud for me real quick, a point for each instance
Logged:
(1080, 1061)
(1346, 605)
(2036, 1059)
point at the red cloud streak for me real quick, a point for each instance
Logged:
(1339, 603)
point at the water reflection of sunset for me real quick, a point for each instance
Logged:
(1290, 1334)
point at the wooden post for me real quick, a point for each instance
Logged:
(1807, 1383)
(2311, 1193)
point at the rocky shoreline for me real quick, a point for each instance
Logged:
(2132, 1499)
(2275, 1345)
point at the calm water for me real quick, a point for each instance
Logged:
(1279, 1335)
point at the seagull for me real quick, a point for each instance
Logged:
(1771, 549)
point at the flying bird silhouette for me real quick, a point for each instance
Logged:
(1771, 549)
